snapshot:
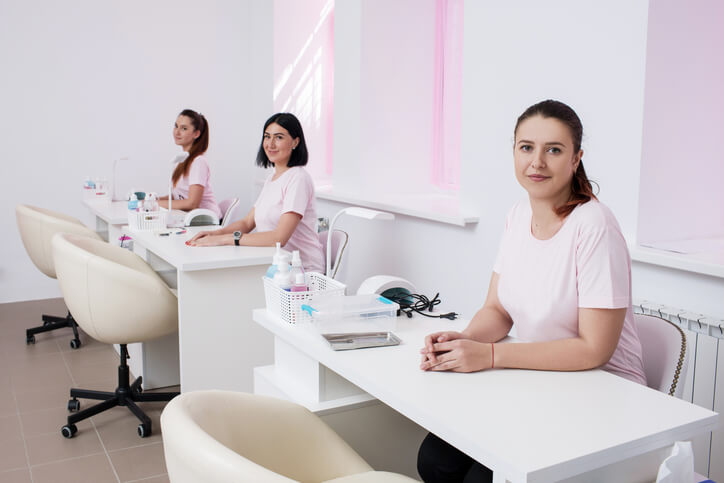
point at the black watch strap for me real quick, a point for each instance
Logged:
(237, 237)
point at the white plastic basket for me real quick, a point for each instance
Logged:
(288, 305)
(147, 220)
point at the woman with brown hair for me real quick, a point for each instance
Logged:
(191, 178)
(562, 277)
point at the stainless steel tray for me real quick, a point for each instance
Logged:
(361, 340)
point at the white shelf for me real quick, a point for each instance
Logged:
(437, 207)
(706, 263)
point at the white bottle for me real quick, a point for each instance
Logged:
(133, 203)
(276, 261)
(150, 203)
(297, 270)
(283, 276)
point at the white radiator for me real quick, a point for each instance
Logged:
(704, 385)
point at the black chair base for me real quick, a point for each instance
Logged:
(51, 322)
(126, 394)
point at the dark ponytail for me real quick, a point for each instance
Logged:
(198, 147)
(581, 189)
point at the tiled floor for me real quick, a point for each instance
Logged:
(34, 384)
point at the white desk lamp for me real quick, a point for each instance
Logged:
(178, 159)
(359, 213)
(114, 195)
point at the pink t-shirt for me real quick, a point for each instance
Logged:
(293, 191)
(199, 173)
(543, 283)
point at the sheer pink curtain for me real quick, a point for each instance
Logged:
(304, 73)
(446, 119)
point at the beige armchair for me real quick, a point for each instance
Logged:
(116, 298)
(222, 436)
(37, 227)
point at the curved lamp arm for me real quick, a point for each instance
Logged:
(358, 212)
(178, 159)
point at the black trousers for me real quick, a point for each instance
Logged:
(438, 462)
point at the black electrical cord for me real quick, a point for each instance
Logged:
(417, 303)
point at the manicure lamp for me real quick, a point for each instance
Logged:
(359, 213)
(178, 159)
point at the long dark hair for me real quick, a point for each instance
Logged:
(581, 189)
(289, 122)
(198, 147)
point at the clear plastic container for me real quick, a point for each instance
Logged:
(352, 313)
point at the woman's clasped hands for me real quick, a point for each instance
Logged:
(452, 351)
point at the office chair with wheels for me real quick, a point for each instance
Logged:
(228, 208)
(221, 436)
(116, 298)
(665, 353)
(339, 243)
(37, 227)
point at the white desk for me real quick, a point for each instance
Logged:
(217, 289)
(217, 346)
(528, 426)
(108, 217)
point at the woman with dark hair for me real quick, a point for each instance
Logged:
(285, 211)
(191, 179)
(562, 277)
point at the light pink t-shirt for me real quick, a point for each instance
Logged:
(293, 191)
(199, 173)
(543, 283)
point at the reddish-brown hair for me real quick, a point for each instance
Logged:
(581, 189)
(199, 146)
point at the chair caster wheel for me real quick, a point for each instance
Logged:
(74, 343)
(69, 430)
(30, 340)
(144, 430)
(73, 405)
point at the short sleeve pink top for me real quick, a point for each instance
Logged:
(543, 283)
(293, 191)
(199, 173)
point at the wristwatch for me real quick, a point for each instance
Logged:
(237, 237)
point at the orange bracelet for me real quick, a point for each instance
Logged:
(492, 355)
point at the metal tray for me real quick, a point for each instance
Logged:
(361, 340)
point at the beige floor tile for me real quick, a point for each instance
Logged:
(7, 404)
(44, 421)
(47, 448)
(28, 361)
(86, 374)
(89, 356)
(119, 429)
(139, 462)
(10, 429)
(14, 345)
(88, 469)
(50, 396)
(17, 476)
(12, 455)
(41, 374)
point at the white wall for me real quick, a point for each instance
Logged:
(588, 54)
(84, 82)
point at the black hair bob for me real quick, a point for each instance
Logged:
(289, 122)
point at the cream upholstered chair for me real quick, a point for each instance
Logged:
(228, 208)
(339, 242)
(37, 227)
(222, 436)
(116, 298)
(665, 353)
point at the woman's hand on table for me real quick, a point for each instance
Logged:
(450, 351)
(210, 239)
